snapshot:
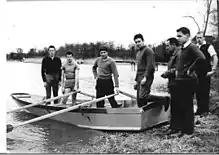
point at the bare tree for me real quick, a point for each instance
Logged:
(205, 15)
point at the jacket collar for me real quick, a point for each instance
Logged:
(186, 44)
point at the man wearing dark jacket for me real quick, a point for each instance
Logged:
(191, 59)
(51, 73)
(173, 49)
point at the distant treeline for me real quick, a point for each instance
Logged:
(91, 50)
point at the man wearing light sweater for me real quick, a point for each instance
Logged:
(103, 68)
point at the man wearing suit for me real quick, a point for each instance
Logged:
(191, 59)
(173, 49)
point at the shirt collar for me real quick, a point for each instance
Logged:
(105, 59)
(52, 58)
(204, 42)
(142, 47)
(186, 44)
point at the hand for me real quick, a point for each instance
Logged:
(63, 90)
(210, 73)
(143, 81)
(188, 72)
(117, 90)
(75, 89)
(164, 75)
(45, 84)
(176, 73)
(135, 85)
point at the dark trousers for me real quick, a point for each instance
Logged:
(52, 83)
(105, 87)
(175, 109)
(202, 94)
(182, 102)
(144, 90)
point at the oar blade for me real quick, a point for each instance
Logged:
(9, 128)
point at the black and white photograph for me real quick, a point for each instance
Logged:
(111, 77)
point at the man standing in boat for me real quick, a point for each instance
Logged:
(145, 75)
(211, 61)
(51, 73)
(145, 70)
(104, 83)
(173, 49)
(70, 79)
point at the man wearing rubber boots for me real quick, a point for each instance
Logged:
(145, 74)
(51, 73)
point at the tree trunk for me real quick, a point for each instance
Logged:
(218, 20)
(208, 13)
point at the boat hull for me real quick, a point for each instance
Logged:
(120, 119)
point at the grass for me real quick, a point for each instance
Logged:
(204, 140)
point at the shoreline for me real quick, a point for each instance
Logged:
(84, 61)
(79, 61)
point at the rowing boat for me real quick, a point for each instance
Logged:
(127, 118)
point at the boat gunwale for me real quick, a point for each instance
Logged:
(90, 109)
(81, 109)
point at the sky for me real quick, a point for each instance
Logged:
(37, 24)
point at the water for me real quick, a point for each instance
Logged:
(48, 136)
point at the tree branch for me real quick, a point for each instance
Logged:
(194, 21)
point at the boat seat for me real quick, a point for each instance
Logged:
(21, 95)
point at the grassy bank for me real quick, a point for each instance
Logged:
(204, 140)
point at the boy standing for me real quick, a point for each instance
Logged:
(70, 80)
(104, 83)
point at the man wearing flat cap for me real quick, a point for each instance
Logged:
(103, 69)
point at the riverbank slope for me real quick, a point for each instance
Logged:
(204, 140)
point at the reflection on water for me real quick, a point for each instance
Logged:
(50, 136)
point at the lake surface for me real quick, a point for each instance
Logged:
(48, 136)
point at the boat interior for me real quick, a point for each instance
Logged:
(126, 103)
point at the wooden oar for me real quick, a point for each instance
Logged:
(86, 94)
(41, 102)
(11, 127)
(127, 94)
